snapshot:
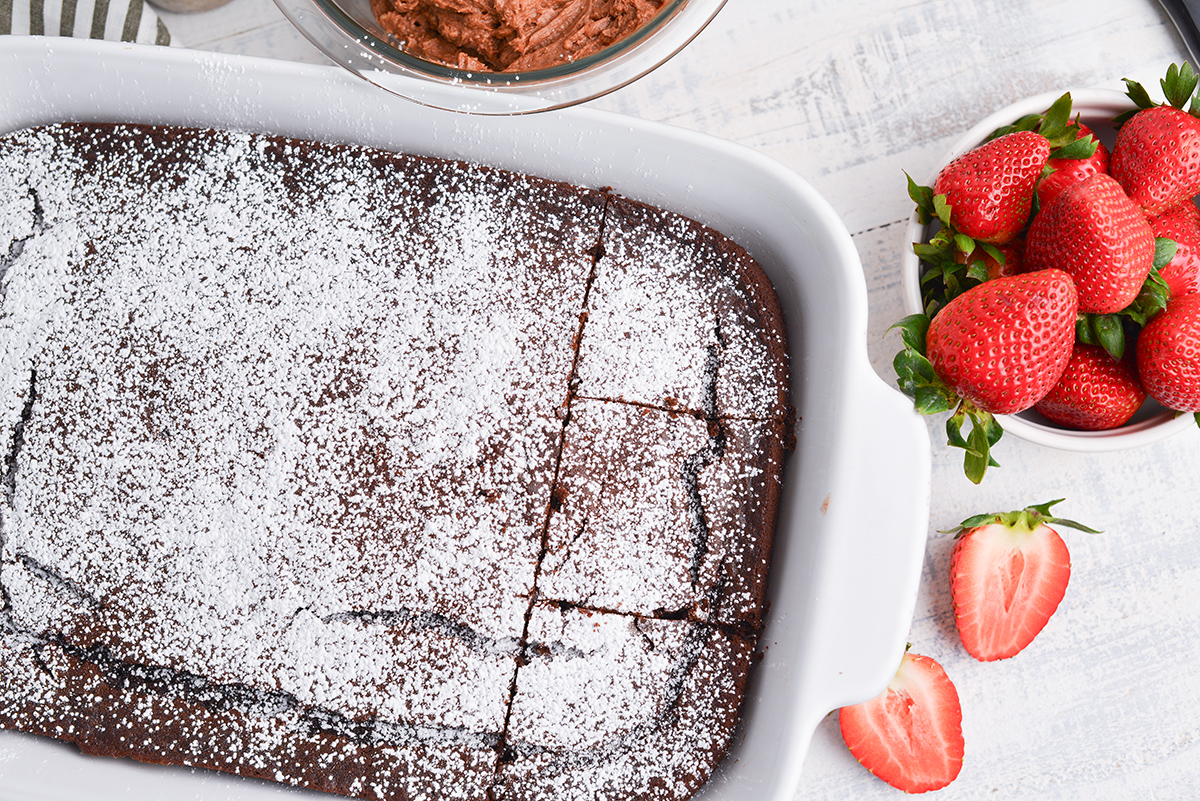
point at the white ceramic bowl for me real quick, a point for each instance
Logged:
(854, 510)
(1096, 107)
(348, 33)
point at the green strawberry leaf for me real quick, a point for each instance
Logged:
(1083, 329)
(995, 252)
(1151, 298)
(929, 400)
(941, 210)
(917, 379)
(1102, 329)
(945, 274)
(923, 197)
(985, 432)
(1083, 148)
(1040, 513)
(1055, 121)
(993, 429)
(975, 462)
(1179, 85)
(1029, 122)
(913, 329)
(1110, 334)
(1138, 94)
(928, 251)
(977, 270)
(1179, 89)
(1123, 118)
(915, 375)
(1164, 251)
(1197, 417)
(954, 437)
(1054, 124)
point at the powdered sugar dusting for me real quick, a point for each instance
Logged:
(315, 454)
(624, 477)
(672, 298)
(264, 414)
(665, 717)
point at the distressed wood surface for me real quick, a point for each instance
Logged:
(1106, 703)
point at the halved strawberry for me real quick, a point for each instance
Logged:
(1008, 574)
(910, 735)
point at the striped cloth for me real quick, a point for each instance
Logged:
(120, 20)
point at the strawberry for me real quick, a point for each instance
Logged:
(1168, 355)
(1096, 391)
(1008, 574)
(995, 349)
(1095, 233)
(910, 735)
(990, 189)
(1156, 157)
(1068, 171)
(1003, 344)
(1182, 225)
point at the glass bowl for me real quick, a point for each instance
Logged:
(347, 32)
(1096, 108)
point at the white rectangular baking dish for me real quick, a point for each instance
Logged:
(854, 514)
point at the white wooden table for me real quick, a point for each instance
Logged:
(849, 93)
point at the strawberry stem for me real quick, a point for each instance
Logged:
(1028, 518)
(1179, 87)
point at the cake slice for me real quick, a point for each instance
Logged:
(681, 318)
(661, 514)
(619, 707)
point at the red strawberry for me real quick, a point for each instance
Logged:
(990, 189)
(1004, 343)
(1068, 172)
(1096, 392)
(1095, 233)
(1008, 574)
(1168, 355)
(1181, 224)
(1156, 158)
(910, 735)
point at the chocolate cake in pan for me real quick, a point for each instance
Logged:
(380, 475)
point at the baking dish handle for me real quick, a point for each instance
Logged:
(881, 520)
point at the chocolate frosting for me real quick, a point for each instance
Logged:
(511, 35)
